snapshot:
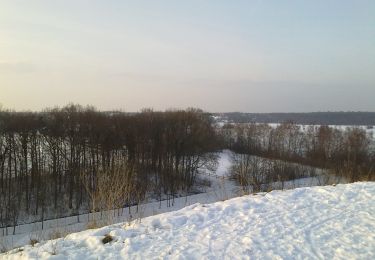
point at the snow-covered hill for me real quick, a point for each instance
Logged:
(332, 222)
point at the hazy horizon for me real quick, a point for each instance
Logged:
(59, 106)
(246, 56)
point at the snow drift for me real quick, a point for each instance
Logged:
(318, 222)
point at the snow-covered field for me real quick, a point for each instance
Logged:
(331, 222)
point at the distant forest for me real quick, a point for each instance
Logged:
(319, 118)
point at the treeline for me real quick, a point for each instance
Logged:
(347, 153)
(255, 173)
(318, 118)
(62, 160)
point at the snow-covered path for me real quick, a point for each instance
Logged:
(331, 222)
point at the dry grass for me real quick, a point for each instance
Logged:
(3, 246)
(33, 241)
(92, 225)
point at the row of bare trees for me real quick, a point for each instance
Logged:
(255, 174)
(64, 160)
(346, 152)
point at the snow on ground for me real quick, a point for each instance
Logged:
(224, 163)
(221, 188)
(331, 222)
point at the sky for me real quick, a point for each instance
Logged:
(220, 56)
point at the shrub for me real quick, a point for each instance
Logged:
(107, 238)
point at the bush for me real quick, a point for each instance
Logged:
(107, 238)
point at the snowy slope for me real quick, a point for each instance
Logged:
(222, 187)
(332, 222)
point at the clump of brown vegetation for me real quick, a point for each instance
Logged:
(107, 239)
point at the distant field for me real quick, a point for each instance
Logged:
(320, 118)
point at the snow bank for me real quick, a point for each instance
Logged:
(332, 222)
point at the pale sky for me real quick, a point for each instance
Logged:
(249, 56)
